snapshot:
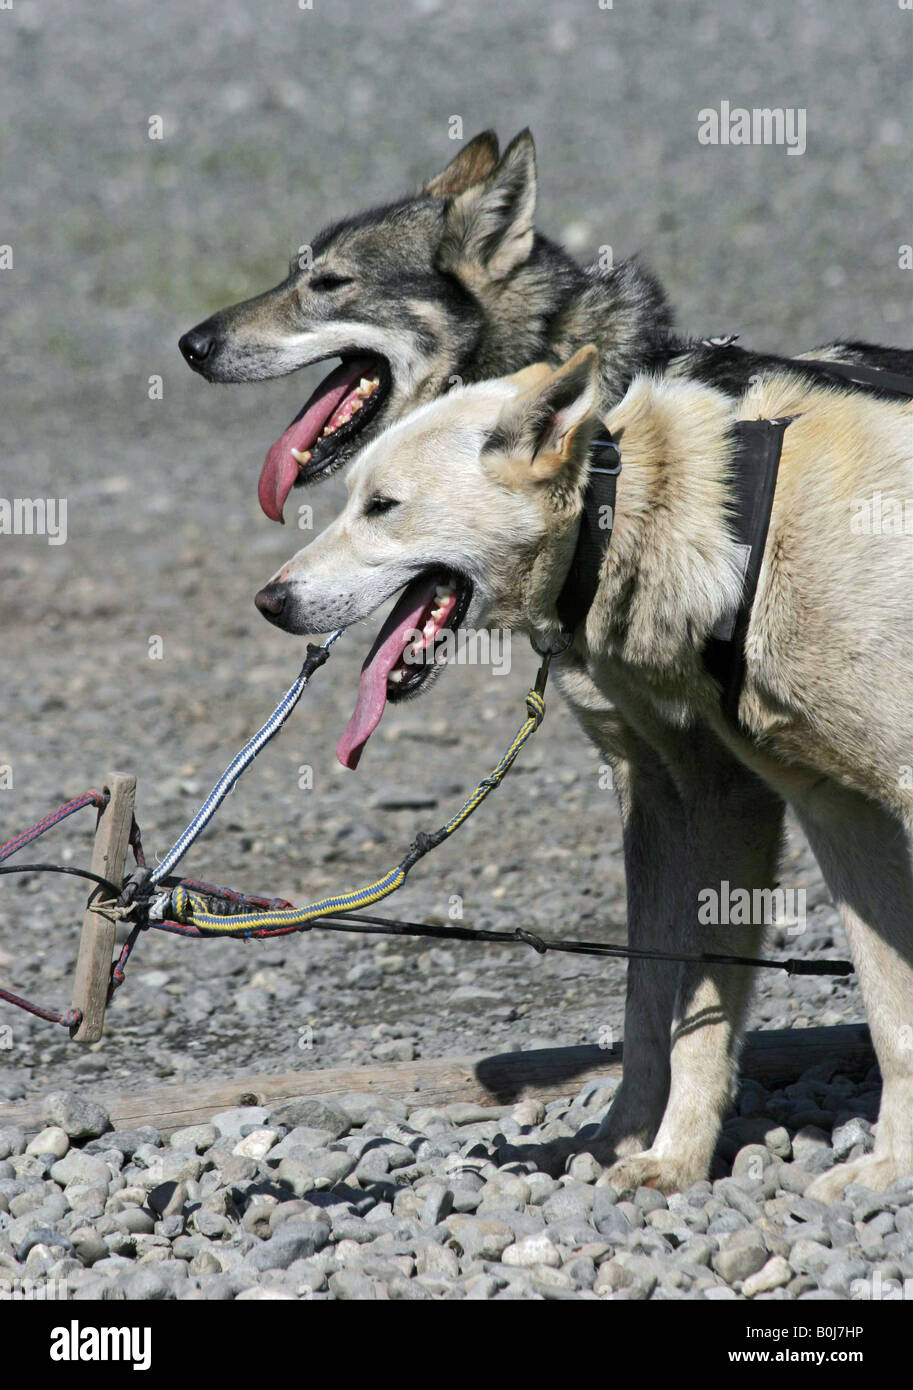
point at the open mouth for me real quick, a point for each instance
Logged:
(406, 652)
(343, 404)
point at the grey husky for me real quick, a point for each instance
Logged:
(826, 708)
(452, 284)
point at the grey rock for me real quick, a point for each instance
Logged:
(647, 1199)
(361, 1106)
(365, 975)
(77, 1116)
(12, 1140)
(351, 1285)
(137, 1221)
(127, 1141)
(742, 1253)
(752, 1161)
(315, 1113)
(78, 1167)
(53, 1140)
(581, 1271)
(565, 1206)
(42, 1235)
(480, 1238)
(315, 1172)
(197, 1137)
(811, 1148)
(437, 1205)
(216, 1287)
(90, 1248)
(145, 1286)
(809, 1256)
(613, 1225)
(231, 1122)
(726, 1222)
(840, 1274)
(298, 1143)
(167, 1199)
(295, 1240)
(212, 1225)
(864, 1203)
(483, 1286)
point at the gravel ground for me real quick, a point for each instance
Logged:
(372, 1199)
(275, 122)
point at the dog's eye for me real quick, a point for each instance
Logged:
(379, 504)
(329, 281)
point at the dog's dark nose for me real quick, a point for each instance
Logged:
(197, 344)
(271, 601)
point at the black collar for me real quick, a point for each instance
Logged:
(596, 522)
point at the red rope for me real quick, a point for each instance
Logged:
(89, 798)
(68, 1018)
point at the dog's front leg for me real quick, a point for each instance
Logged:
(733, 825)
(654, 835)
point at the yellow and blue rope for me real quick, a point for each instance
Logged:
(189, 909)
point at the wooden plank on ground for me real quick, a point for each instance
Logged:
(774, 1057)
(96, 946)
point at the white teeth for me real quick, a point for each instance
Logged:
(429, 629)
(437, 614)
(395, 677)
(302, 457)
(443, 593)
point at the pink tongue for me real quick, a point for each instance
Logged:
(280, 469)
(383, 656)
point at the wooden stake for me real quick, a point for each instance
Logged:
(96, 947)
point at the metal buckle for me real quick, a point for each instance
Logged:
(565, 639)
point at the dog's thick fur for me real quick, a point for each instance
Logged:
(826, 708)
(453, 285)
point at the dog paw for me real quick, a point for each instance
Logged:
(877, 1172)
(607, 1150)
(649, 1169)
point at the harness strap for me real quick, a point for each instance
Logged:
(756, 459)
(596, 522)
(891, 383)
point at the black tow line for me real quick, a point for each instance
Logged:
(367, 924)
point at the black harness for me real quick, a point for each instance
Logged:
(756, 459)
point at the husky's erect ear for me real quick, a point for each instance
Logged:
(488, 228)
(546, 429)
(473, 164)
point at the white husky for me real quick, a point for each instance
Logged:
(472, 503)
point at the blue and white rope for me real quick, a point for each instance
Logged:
(238, 764)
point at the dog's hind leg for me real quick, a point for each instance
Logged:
(865, 855)
(733, 831)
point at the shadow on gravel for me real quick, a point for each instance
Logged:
(507, 1075)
